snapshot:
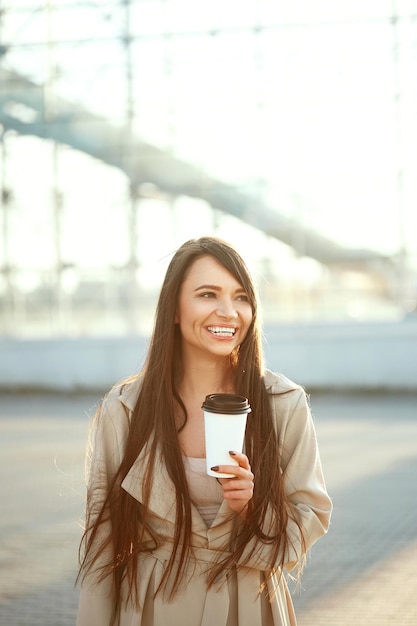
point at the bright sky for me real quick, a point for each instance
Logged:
(309, 112)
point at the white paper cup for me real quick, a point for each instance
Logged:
(225, 417)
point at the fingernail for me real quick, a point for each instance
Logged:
(215, 468)
(232, 453)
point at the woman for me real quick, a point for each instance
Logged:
(166, 544)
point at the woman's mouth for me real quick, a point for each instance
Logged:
(222, 331)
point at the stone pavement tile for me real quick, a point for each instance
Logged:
(386, 595)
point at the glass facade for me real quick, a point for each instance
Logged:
(128, 126)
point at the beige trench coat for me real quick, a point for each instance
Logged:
(236, 600)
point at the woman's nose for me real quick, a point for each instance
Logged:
(226, 308)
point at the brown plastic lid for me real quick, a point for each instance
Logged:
(226, 403)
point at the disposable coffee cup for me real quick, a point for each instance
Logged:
(224, 426)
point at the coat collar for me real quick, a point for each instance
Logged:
(130, 391)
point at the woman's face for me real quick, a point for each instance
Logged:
(213, 312)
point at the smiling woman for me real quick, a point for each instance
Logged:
(164, 541)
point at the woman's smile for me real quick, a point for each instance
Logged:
(222, 331)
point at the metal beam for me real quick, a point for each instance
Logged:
(24, 109)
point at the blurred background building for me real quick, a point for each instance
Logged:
(128, 126)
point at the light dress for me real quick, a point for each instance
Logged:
(206, 493)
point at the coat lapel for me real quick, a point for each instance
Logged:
(162, 497)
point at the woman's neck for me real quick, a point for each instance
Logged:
(200, 379)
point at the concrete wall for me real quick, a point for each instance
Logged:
(333, 356)
(346, 356)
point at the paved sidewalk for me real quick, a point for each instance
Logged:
(383, 596)
(363, 573)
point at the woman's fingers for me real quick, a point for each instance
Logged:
(242, 471)
(239, 489)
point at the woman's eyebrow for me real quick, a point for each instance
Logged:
(213, 287)
(217, 288)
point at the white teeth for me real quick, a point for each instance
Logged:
(220, 331)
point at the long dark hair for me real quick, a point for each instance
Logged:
(153, 423)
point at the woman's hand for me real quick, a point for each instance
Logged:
(238, 490)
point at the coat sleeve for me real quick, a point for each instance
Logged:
(102, 459)
(303, 478)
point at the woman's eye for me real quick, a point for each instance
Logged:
(242, 298)
(207, 294)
